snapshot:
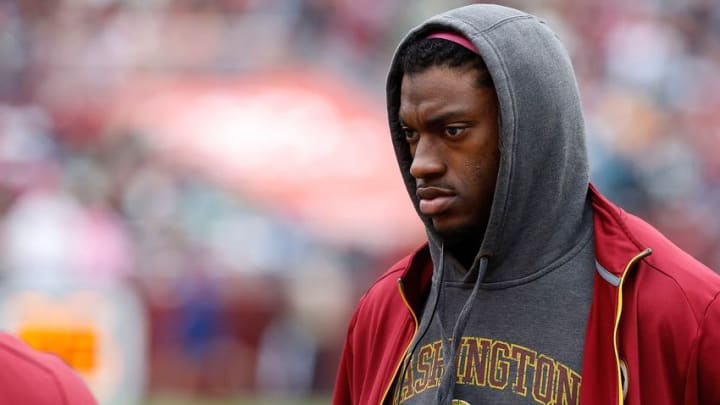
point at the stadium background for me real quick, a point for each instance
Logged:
(194, 193)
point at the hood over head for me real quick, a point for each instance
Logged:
(541, 190)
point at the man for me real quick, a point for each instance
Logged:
(532, 288)
(29, 377)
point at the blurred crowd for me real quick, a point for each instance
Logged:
(239, 297)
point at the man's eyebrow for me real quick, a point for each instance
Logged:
(442, 118)
(439, 119)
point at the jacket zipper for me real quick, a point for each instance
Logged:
(618, 313)
(404, 358)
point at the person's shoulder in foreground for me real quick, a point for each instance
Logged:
(29, 377)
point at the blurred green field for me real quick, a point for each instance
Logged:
(173, 400)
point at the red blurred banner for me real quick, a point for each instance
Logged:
(305, 143)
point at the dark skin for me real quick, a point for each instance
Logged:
(451, 126)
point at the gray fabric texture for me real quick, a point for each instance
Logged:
(537, 245)
(546, 316)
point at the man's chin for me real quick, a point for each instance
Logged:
(457, 234)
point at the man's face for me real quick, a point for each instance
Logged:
(451, 127)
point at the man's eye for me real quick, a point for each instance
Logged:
(454, 131)
(410, 134)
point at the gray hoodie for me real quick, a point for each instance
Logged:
(531, 281)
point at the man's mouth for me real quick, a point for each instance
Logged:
(434, 200)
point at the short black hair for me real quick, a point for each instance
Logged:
(425, 53)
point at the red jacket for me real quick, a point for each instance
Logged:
(654, 323)
(29, 377)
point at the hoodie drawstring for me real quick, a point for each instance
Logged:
(446, 389)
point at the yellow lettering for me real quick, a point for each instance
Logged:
(544, 379)
(476, 361)
(525, 357)
(568, 386)
(499, 365)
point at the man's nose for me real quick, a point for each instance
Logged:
(427, 160)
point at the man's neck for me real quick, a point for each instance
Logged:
(464, 253)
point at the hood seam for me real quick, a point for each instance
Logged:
(478, 31)
(572, 253)
(510, 157)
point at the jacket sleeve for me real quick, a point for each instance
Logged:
(30, 377)
(708, 355)
(343, 392)
(71, 386)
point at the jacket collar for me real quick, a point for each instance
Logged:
(615, 245)
(416, 278)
